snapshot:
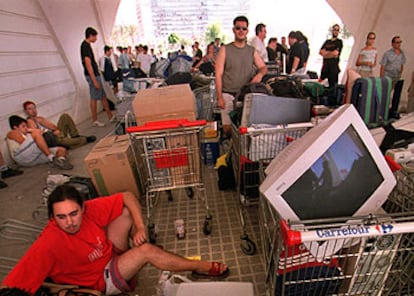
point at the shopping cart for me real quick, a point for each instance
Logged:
(376, 258)
(251, 147)
(167, 155)
(206, 101)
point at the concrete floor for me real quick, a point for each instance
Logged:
(23, 196)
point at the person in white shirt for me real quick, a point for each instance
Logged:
(258, 41)
(145, 60)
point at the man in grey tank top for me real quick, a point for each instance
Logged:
(237, 64)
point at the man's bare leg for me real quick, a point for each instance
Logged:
(132, 261)
(94, 107)
(105, 104)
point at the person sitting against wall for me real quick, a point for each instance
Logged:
(28, 147)
(65, 131)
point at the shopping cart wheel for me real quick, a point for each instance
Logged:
(247, 245)
(151, 233)
(208, 225)
(170, 196)
(190, 192)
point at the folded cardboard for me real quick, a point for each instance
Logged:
(163, 103)
(112, 167)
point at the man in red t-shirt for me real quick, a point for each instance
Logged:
(87, 244)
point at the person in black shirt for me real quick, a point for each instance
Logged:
(296, 54)
(271, 49)
(93, 77)
(330, 51)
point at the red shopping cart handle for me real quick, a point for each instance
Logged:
(290, 237)
(394, 166)
(165, 124)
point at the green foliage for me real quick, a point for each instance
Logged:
(173, 38)
(213, 31)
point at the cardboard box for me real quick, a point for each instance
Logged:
(211, 130)
(112, 167)
(163, 103)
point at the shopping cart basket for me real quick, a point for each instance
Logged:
(206, 101)
(251, 147)
(376, 258)
(168, 157)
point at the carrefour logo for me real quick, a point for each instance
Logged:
(339, 232)
(384, 228)
(354, 230)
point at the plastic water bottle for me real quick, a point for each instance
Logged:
(209, 156)
(212, 90)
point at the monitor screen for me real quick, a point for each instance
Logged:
(265, 109)
(341, 180)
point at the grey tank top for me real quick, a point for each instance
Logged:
(239, 67)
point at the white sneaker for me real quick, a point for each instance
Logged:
(98, 123)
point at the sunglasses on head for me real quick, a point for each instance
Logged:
(240, 28)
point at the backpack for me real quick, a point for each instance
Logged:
(160, 69)
(288, 87)
(258, 87)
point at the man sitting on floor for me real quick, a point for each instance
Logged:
(65, 131)
(87, 244)
(28, 147)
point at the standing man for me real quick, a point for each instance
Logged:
(271, 49)
(296, 54)
(236, 64)
(93, 78)
(330, 51)
(392, 66)
(258, 41)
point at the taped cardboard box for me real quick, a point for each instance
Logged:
(112, 167)
(163, 103)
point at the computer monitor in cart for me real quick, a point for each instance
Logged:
(334, 170)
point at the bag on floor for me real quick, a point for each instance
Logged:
(225, 172)
(371, 97)
(83, 184)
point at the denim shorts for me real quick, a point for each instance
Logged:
(96, 94)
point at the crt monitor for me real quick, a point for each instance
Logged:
(334, 170)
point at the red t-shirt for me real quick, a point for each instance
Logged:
(77, 259)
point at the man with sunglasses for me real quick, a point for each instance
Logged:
(330, 51)
(392, 66)
(237, 64)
